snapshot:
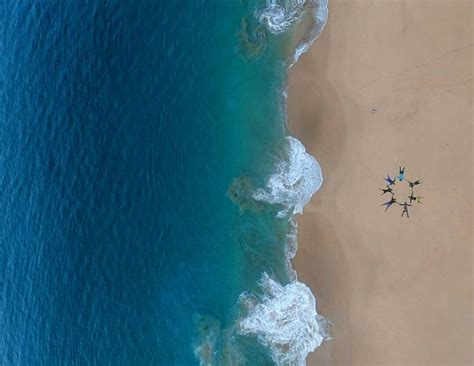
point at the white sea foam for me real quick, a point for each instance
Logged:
(296, 179)
(319, 12)
(284, 319)
(280, 15)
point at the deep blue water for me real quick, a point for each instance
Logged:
(122, 126)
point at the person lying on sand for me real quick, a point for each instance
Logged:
(401, 173)
(412, 197)
(386, 190)
(405, 208)
(415, 183)
(389, 180)
(389, 203)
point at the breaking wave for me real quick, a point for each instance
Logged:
(280, 15)
(294, 182)
(284, 319)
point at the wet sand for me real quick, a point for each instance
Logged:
(389, 83)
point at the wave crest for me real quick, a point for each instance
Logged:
(279, 16)
(284, 319)
(296, 179)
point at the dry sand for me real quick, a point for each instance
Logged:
(389, 83)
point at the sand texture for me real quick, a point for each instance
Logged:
(389, 83)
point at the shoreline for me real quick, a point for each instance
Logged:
(372, 94)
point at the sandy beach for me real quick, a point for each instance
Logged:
(389, 83)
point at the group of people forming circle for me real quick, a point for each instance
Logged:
(389, 189)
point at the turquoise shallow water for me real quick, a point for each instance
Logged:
(137, 144)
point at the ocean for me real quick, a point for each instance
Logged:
(148, 184)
